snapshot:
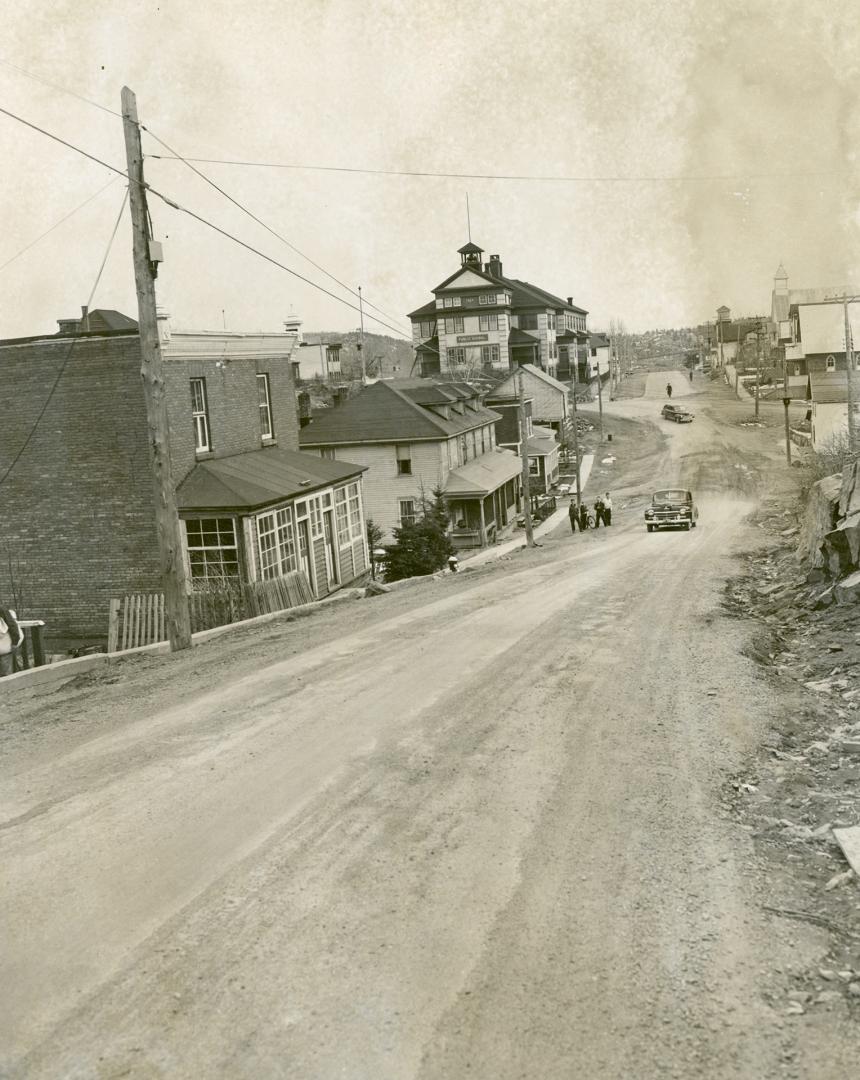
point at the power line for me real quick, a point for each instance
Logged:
(204, 221)
(66, 358)
(56, 86)
(607, 179)
(268, 228)
(57, 224)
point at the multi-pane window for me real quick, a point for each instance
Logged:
(407, 512)
(313, 510)
(355, 511)
(426, 328)
(348, 509)
(487, 298)
(534, 466)
(489, 354)
(455, 325)
(212, 550)
(264, 400)
(528, 322)
(831, 363)
(200, 415)
(452, 301)
(404, 460)
(457, 356)
(275, 543)
(488, 322)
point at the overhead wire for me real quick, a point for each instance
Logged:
(35, 425)
(259, 221)
(524, 177)
(172, 203)
(57, 224)
(179, 157)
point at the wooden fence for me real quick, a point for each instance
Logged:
(140, 620)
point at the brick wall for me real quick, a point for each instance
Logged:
(78, 510)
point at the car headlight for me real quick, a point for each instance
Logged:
(649, 513)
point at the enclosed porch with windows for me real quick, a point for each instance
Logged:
(261, 516)
(483, 499)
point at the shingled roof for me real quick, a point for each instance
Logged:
(398, 410)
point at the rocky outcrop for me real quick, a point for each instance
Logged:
(829, 542)
(822, 514)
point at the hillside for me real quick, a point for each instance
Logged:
(385, 356)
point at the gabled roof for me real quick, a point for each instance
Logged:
(527, 295)
(828, 387)
(598, 341)
(258, 478)
(397, 410)
(537, 374)
(426, 309)
(470, 268)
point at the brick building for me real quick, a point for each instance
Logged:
(77, 505)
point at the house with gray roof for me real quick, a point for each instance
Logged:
(480, 320)
(415, 436)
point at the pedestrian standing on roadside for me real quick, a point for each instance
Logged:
(607, 510)
(691, 374)
(573, 514)
(583, 517)
(598, 512)
(668, 389)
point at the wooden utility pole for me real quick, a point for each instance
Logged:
(849, 373)
(174, 580)
(576, 447)
(600, 399)
(524, 452)
(786, 401)
(361, 337)
(757, 367)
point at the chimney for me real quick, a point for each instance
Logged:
(304, 400)
(85, 318)
(570, 300)
(495, 266)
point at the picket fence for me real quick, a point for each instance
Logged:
(139, 619)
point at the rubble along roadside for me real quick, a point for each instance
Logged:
(805, 781)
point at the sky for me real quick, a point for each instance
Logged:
(693, 145)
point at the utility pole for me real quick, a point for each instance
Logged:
(786, 401)
(849, 372)
(361, 337)
(576, 445)
(757, 366)
(524, 452)
(146, 255)
(600, 399)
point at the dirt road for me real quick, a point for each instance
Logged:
(474, 831)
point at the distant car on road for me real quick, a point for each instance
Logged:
(671, 508)
(676, 413)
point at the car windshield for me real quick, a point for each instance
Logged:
(671, 495)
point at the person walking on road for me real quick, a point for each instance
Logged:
(607, 510)
(691, 374)
(668, 389)
(573, 514)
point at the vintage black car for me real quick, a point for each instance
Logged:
(676, 413)
(671, 508)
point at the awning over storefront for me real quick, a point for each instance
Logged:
(484, 475)
(259, 478)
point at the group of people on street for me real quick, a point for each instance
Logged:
(579, 515)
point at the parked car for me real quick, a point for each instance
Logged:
(671, 508)
(676, 413)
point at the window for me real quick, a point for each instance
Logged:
(275, 543)
(348, 508)
(528, 322)
(451, 301)
(489, 298)
(488, 322)
(265, 402)
(831, 363)
(457, 356)
(551, 322)
(534, 466)
(355, 522)
(212, 549)
(407, 512)
(464, 449)
(316, 518)
(489, 354)
(426, 329)
(404, 460)
(200, 415)
(455, 325)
